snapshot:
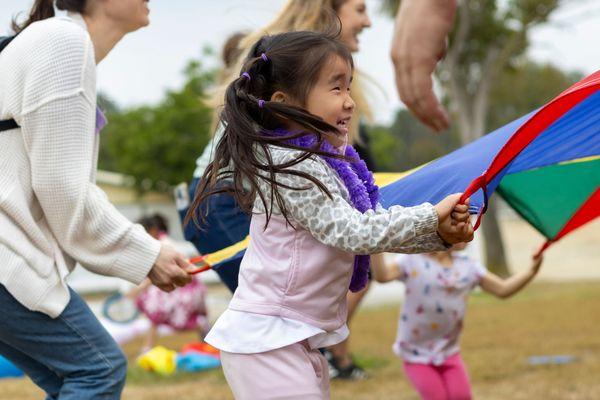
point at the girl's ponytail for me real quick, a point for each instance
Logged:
(44, 9)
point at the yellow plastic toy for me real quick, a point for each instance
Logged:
(159, 359)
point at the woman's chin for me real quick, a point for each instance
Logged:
(353, 46)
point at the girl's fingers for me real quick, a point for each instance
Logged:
(461, 208)
(470, 233)
(460, 217)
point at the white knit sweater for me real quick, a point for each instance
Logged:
(52, 214)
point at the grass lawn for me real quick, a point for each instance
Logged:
(499, 336)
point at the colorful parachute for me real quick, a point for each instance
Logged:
(546, 165)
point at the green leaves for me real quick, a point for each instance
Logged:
(158, 145)
(407, 144)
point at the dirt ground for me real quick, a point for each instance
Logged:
(548, 319)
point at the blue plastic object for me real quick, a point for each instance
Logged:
(119, 309)
(8, 369)
(194, 362)
(551, 360)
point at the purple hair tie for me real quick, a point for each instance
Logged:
(261, 103)
(264, 57)
(247, 76)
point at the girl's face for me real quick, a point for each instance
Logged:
(129, 15)
(330, 98)
(354, 18)
(155, 233)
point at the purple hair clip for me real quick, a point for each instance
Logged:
(261, 103)
(247, 76)
(264, 57)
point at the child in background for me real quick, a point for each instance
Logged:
(431, 320)
(183, 309)
(315, 215)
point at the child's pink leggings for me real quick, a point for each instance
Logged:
(448, 381)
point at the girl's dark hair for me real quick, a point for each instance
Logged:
(146, 222)
(156, 221)
(43, 9)
(161, 222)
(294, 61)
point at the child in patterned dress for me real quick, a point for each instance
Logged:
(183, 309)
(437, 289)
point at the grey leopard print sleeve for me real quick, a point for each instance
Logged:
(335, 222)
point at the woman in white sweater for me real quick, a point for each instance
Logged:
(52, 215)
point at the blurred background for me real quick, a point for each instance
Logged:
(151, 87)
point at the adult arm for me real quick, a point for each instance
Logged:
(57, 122)
(419, 42)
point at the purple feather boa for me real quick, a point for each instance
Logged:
(359, 182)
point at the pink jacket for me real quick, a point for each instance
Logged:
(288, 273)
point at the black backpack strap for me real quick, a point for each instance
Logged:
(8, 124)
(5, 41)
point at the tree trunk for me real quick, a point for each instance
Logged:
(471, 116)
(495, 258)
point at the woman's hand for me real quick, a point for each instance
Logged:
(419, 42)
(170, 270)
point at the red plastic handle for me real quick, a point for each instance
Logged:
(543, 248)
(474, 186)
(199, 260)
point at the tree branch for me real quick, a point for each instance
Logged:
(489, 71)
(458, 91)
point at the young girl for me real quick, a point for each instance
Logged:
(52, 214)
(437, 288)
(315, 216)
(225, 223)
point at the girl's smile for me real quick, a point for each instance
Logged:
(330, 98)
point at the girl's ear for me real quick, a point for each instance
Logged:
(279, 97)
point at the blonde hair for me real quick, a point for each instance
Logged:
(296, 15)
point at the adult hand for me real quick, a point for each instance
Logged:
(454, 225)
(419, 42)
(169, 270)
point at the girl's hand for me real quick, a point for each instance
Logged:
(537, 263)
(454, 225)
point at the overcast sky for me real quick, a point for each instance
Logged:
(147, 62)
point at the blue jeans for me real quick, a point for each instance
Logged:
(70, 357)
(226, 224)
